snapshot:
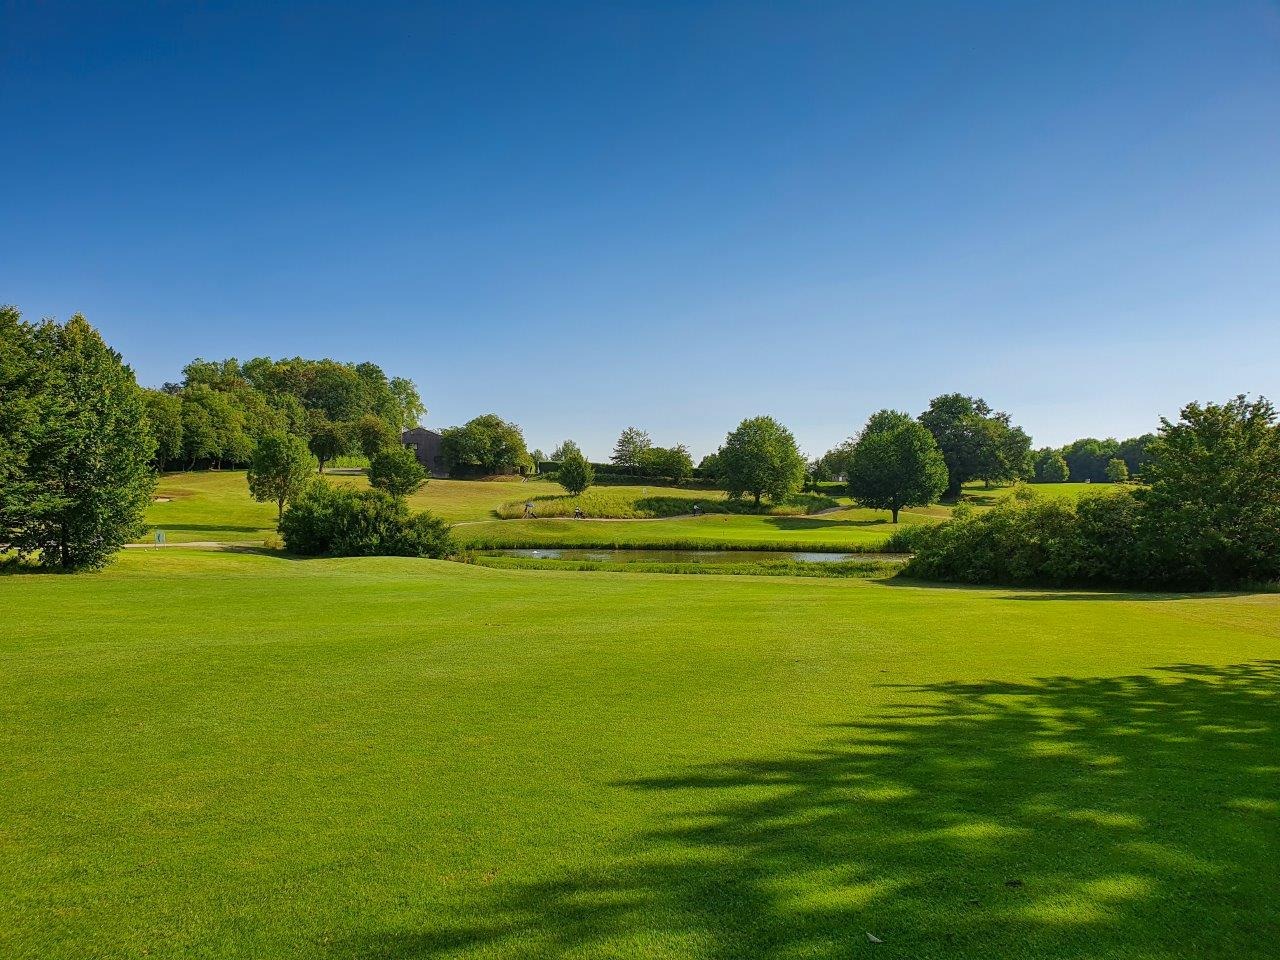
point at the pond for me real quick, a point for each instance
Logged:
(687, 556)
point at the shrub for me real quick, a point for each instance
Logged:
(338, 521)
(397, 471)
(575, 474)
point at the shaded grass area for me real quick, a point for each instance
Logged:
(239, 755)
(782, 567)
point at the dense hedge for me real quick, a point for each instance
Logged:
(1101, 539)
(335, 521)
(616, 473)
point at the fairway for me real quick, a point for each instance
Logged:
(238, 755)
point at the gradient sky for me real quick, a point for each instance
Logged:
(673, 215)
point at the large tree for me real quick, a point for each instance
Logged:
(88, 467)
(21, 382)
(760, 458)
(977, 443)
(164, 415)
(630, 447)
(1213, 495)
(486, 443)
(281, 467)
(562, 451)
(329, 440)
(896, 463)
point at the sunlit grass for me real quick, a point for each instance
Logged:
(239, 755)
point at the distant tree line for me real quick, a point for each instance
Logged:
(221, 408)
(1089, 459)
(1207, 515)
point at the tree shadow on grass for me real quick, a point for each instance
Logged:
(1126, 817)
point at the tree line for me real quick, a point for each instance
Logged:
(221, 408)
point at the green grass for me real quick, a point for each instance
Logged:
(632, 503)
(236, 755)
(782, 567)
(216, 506)
(849, 529)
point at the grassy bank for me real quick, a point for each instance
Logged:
(783, 567)
(232, 755)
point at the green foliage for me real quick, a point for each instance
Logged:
(630, 447)
(1051, 541)
(896, 463)
(1054, 469)
(709, 466)
(487, 444)
(1209, 517)
(1117, 471)
(562, 451)
(338, 521)
(372, 435)
(397, 471)
(79, 477)
(976, 442)
(575, 473)
(164, 418)
(281, 467)
(329, 440)
(760, 458)
(669, 463)
(1214, 493)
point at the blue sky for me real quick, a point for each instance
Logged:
(585, 216)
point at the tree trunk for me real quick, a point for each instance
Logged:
(757, 496)
(895, 514)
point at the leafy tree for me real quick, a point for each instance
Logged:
(834, 464)
(1134, 452)
(760, 458)
(670, 463)
(1088, 457)
(373, 435)
(405, 399)
(199, 434)
(21, 384)
(88, 466)
(559, 453)
(1117, 471)
(575, 473)
(1213, 495)
(164, 416)
(977, 443)
(710, 466)
(630, 447)
(397, 471)
(896, 463)
(537, 455)
(329, 440)
(1055, 470)
(281, 467)
(487, 443)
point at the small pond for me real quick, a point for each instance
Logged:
(687, 556)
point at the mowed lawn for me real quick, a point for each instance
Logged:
(848, 529)
(238, 755)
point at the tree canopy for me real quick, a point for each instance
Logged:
(977, 443)
(896, 463)
(760, 458)
(397, 471)
(575, 473)
(485, 444)
(280, 468)
(76, 444)
(630, 448)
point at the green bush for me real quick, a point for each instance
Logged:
(338, 521)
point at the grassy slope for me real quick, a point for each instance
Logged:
(233, 755)
(217, 506)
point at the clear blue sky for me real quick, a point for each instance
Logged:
(668, 215)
